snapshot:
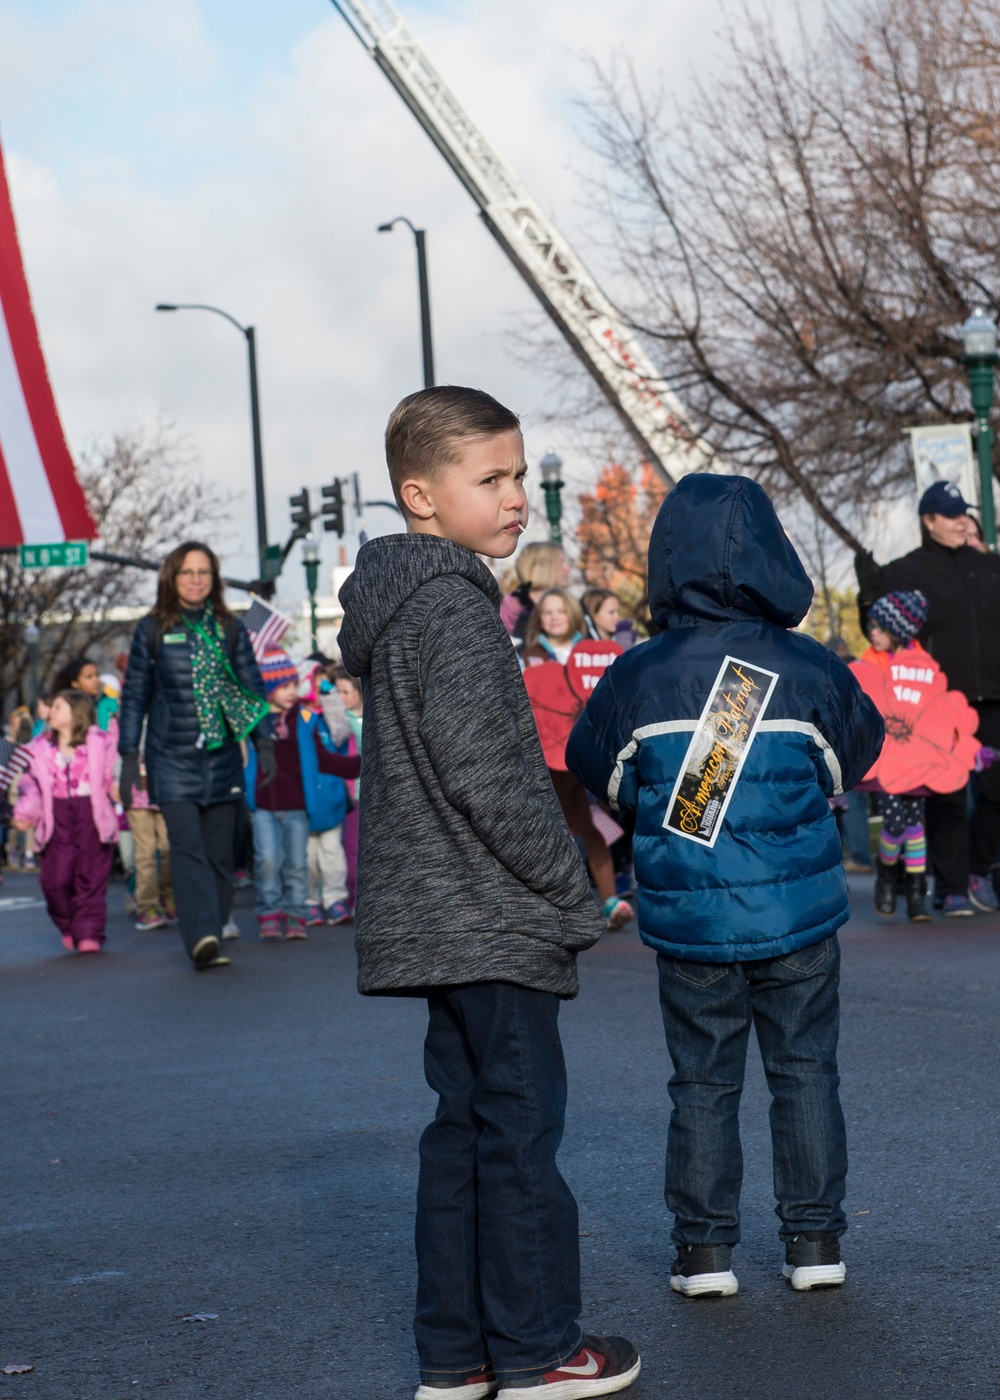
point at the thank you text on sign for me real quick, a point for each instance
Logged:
(718, 750)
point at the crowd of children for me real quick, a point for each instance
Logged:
(65, 816)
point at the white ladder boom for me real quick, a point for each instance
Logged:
(589, 322)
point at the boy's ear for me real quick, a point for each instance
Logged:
(415, 497)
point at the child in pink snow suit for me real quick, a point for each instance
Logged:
(66, 796)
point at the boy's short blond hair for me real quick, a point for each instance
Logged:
(426, 429)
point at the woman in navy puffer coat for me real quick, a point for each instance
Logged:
(198, 788)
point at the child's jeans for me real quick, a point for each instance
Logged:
(327, 867)
(794, 1004)
(498, 1249)
(75, 871)
(280, 843)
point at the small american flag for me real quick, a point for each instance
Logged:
(14, 759)
(266, 626)
(607, 828)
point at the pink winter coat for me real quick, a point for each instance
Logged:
(36, 787)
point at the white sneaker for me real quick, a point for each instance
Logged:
(702, 1271)
(812, 1260)
(231, 930)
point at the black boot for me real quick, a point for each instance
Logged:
(885, 888)
(916, 898)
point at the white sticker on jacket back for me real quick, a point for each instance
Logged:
(718, 750)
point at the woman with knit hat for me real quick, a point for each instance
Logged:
(307, 795)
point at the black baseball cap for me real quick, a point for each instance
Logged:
(943, 498)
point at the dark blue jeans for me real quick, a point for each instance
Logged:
(794, 1005)
(498, 1247)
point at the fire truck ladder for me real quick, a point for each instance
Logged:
(589, 322)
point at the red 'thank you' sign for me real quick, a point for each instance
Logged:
(586, 665)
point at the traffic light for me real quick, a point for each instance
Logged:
(333, 507)
(301, 512)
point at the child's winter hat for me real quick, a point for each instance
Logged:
(277, 668)
(902, 614)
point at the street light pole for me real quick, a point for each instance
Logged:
(552, 485)
(979, 337)
(310, 558)
(249, 334)
(420, 238)
(32, 636)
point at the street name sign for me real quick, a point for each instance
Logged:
(73, 554)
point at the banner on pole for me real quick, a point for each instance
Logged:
(944, 453)
(41, 498)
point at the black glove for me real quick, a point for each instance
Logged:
(129, 778)
(267, 764)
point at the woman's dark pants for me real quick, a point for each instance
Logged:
(793, 1003)
(202, 843)
(498, 1247)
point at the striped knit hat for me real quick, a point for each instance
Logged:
(902, 614)
(278, 668)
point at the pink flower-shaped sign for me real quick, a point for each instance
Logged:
(929, 730)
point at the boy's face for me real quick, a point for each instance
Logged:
(478, 501)
(283, 697)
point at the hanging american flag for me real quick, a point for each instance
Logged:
(14, 759)
(266, 626)
(41, 499)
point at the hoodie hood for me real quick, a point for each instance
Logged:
(718, 554)
(389, 570)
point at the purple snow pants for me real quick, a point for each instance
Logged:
(74, 871)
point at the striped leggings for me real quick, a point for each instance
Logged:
(903, 829)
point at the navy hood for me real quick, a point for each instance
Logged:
(718, 554)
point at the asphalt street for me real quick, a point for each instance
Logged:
(241, 1145)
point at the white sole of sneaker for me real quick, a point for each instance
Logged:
(461, 1392)
(815, 1276)
(575, 1390)
(722, 1285)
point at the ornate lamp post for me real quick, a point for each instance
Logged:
(979, 337)
(552, 485)
(310, 558)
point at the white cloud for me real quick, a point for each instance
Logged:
(265, 203)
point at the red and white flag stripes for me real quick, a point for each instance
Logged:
(41, 499)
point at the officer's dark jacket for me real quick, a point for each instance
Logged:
(158, 685)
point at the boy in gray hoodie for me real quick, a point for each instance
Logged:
(471, 893)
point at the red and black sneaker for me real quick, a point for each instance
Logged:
(466, 1385)
(602, 1366)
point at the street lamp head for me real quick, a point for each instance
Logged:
(165, 306)
(310, 550)
(979, 335)
(550, 465)
(385, 228)
(32, 635)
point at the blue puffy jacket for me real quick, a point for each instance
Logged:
(158, 684)
(725, 582)
(325, 793)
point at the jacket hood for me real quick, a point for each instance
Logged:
(718, 554)
(389, 570)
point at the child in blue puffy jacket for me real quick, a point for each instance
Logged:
(726, 735)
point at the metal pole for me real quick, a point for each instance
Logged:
(312, 576)
(258, 450)
(981, 370)
(553, 509)
(425, 308)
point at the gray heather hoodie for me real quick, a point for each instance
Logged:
(467, 871)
